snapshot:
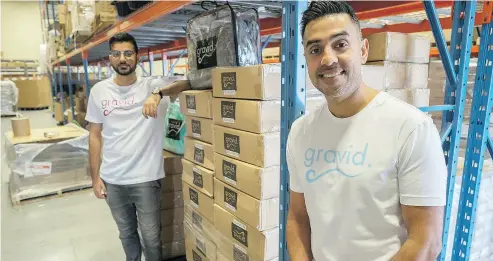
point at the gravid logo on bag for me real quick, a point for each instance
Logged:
(228, 83)
(206, 53)
(174, 127)
(228, 111)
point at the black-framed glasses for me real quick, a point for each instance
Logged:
(118, 54)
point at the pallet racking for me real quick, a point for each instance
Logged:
(159, 31)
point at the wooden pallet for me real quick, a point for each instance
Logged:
(55, 193)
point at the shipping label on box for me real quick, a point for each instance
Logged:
(260, 214)
(248, 115)
(200, 128)
(199, 246)
(200, 178)
(196, 103)
(199, 152)
(199, 201)
(261, 150)
(260, 183)
(257, 82)
(241, 240)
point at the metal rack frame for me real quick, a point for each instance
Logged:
(398, 16)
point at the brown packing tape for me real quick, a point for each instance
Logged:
(21, 127)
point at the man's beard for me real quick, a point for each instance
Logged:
(124, 72)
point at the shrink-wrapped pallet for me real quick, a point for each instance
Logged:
(10, 95)
(224, 36)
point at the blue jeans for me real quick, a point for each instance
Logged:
(137, 205)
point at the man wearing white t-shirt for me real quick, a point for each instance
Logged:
(126, 116)
(367, 171)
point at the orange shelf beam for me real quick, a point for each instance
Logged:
(148, 14)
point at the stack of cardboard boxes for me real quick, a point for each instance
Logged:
(172, 208)
(398, 64)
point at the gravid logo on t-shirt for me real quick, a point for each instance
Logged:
(348, 163)
(108, 106)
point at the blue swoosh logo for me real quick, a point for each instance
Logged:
(311, 176)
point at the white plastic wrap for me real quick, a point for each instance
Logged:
(83, 14)
(393, 75)
(224, 36)
(9, 98)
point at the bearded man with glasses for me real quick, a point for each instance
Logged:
(127, 113)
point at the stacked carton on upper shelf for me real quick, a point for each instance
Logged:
(398, 64)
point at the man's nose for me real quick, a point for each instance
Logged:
(329, 57)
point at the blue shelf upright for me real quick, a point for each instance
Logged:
(456, 65)
(293, 97)
(477, 143)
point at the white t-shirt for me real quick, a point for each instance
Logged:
(355, 171)
(132, 144)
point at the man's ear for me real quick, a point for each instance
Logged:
(365, 48)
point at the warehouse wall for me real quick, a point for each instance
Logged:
(20, 19)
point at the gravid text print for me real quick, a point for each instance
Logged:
(108, 106)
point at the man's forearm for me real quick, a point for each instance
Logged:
(418, 250)
(175, 88)
(94, 155)
(298, 237)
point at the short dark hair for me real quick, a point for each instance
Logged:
(123, 38)
(318, 9)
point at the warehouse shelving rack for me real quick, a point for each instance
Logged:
(159, 30)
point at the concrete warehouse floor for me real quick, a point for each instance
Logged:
(76, 227)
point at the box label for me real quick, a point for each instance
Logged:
(191, 104)
(206, 53)
(239, 233)
(195, 256)
(230, 199)
(38, 168)
(199, 154)
(197, 179)
(174, 127)
(196, 129)
(194, 197)
(239, 254)
(197, 220)
(232, 144)
(228, 83)
(201, 246)
(228, 111)
(229, 172)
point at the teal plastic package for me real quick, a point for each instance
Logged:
(174, 129)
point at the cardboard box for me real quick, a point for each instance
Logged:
(172, 233)
(260, 214)
(394, 75)
(200, 129)
(248, 115)
(172, 163)
(199, 152)
(34, 92)
(398, 47)
(171, 183)
(198, 177)
(261, 150)
(260, 183)
(196, 103)
(170, 200)
(200, 223)
(258, 82)
(199, 245)
(199, 201)
(173, 249)
(241, 240)
(173, 216)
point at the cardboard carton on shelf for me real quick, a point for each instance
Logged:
(261, 150)
(173, 232)
(172, 163)
(199, 177)
(248, 115)
(238, 239)
(198, 246)
(200, 129)
(199, 152)
(395, 75)
(34, 92)
(200, 223)
(172, 216)
(199, 201)
(257, 82)
(398, 47)
(260, 214)
(171, 200)
(260, 183)
(196, 103)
